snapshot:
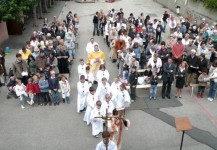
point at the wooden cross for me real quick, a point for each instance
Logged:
(106, 118)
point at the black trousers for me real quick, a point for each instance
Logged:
(166, 89)
(133, 92)
(45, 97)
(158, 37)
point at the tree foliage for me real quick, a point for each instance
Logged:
(209, 4)
(11, 9)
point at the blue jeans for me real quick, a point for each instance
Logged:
(95, 29)
(212, 90)
(72, 53)
(153, 91)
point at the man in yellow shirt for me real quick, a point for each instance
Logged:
(95, 59)
(25, 53)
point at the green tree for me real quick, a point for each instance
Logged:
(209, 4)
(12, 9)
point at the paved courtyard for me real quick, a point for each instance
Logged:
(62, 128)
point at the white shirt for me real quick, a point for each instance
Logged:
(83, 88)
(109, 106)
(156, 65)
(102, 74)
(123, 99)
(102, 146)
(90, 47)
(89, 77)
(81, 69)
(65, 87)
(20, 89)
(115, 88)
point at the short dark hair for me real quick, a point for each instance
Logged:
(87, 68)
(105, 134)
(91, 89)
(18, 55)
(82, 77)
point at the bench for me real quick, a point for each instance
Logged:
(64, 74)
(145, 86)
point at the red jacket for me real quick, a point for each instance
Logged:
(178, 50)
(36, 88)
(30, 88)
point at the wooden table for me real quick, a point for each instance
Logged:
(182, 124)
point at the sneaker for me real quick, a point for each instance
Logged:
(210, 99)
(29, 102)
(132, 101)
(22, 107)
(154, 98)
(150, 97)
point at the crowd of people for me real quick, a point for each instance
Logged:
(137, 49)
(39, 74)
(187, 56)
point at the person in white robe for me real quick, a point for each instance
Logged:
(102, 145)
(89, 76)
(90, 46)
(91, 101)
(97, 123)
(81, 68)
(83, 90)
(115, 88)
(65, 89)
(103, 88)
(102, 73)
(123, 98)
(108, 105)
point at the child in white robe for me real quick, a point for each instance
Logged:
(83, 89)
(65, 89)
(123, 98)
(97, 123)
(102, 73)
(115, 88)
(91, 101)
(81, 67)
(102, 145)
(102, 89)
(89, 76)
(108, 105)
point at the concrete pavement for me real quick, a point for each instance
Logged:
(61, 128)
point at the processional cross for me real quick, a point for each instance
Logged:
(107, 118)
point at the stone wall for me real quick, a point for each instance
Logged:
(196, 9)
(3, 32)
